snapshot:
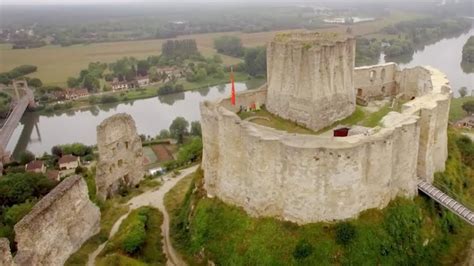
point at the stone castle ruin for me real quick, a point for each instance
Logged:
(310, 78)
(120, 155)
(55, 228)
(308, 178)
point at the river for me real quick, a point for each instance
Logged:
(38, 133)
(445, 55)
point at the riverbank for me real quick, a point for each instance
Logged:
(143, 93)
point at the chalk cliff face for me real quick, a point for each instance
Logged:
(120, 155)
(57, 225)
(310, 78)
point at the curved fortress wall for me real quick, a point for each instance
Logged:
(57, 225)
(310, 78)
(310, 178)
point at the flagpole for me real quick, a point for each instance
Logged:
(232, 99)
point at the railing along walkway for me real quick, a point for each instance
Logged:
(447, 201)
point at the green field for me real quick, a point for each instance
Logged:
(55, 63)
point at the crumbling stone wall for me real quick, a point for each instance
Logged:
(5, 254)
(310, 78)
(376, 81)
(57, 225)
(310, 178)
(120, 155)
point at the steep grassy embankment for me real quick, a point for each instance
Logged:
(407, 232)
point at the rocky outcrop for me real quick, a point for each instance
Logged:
(57, 225)
(310, 78)
(120, 155)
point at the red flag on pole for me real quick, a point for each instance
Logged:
(232, 98)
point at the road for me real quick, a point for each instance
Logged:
(154, 198)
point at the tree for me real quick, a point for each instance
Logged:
(462, 92)
(72, 82)
(179, 128)
(196, 128)
(26, 157)
(468, 107)
(91, 83)
(255, 61)
(229, 45)
(56, 150)
(20, 187)
(35, 82)
(164, 134)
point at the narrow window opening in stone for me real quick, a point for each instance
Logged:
(382, 74)
(126, 144)
(126, 179)
(383, 90)
(359, 92)
(119, 163)
(372, 75)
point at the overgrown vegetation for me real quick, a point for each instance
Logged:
(406, 232)
(20, 71)
(138, 238)
(18, 194)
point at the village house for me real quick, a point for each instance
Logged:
(467, 122)
(59, 95)
(68, 161)
(36, 166)
(72, 94)
(53, 175)
(119, 85)
(142, 81)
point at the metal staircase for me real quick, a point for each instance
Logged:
(447, 201)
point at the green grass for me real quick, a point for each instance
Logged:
(275, 121)
(176, 195)
(119, 260)
(406, 232)
(456, 112)
(150, 251)
(373, 119)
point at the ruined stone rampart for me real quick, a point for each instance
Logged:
(310, 78)
(309, 178)
(120, 155)
(57, 225)
(375, 81)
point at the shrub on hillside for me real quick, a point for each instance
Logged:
(345, 233)
(302, 250)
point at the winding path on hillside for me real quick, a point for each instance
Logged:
(154, 198)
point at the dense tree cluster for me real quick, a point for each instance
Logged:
(182, 49)
(367, 51)
(468, 50)
(20, 71)
(255, 61)
(229, 45)
(89, 78)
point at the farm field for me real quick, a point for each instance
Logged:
(56, 63)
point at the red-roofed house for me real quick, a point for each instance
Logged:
(53, 175)
(68, 161)
(36, 166)
(76, 93)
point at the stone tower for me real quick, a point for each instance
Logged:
(120, 155)
(310, 78)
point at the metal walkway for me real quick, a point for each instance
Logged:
(447, 201)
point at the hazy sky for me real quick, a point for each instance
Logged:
(85, 2)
